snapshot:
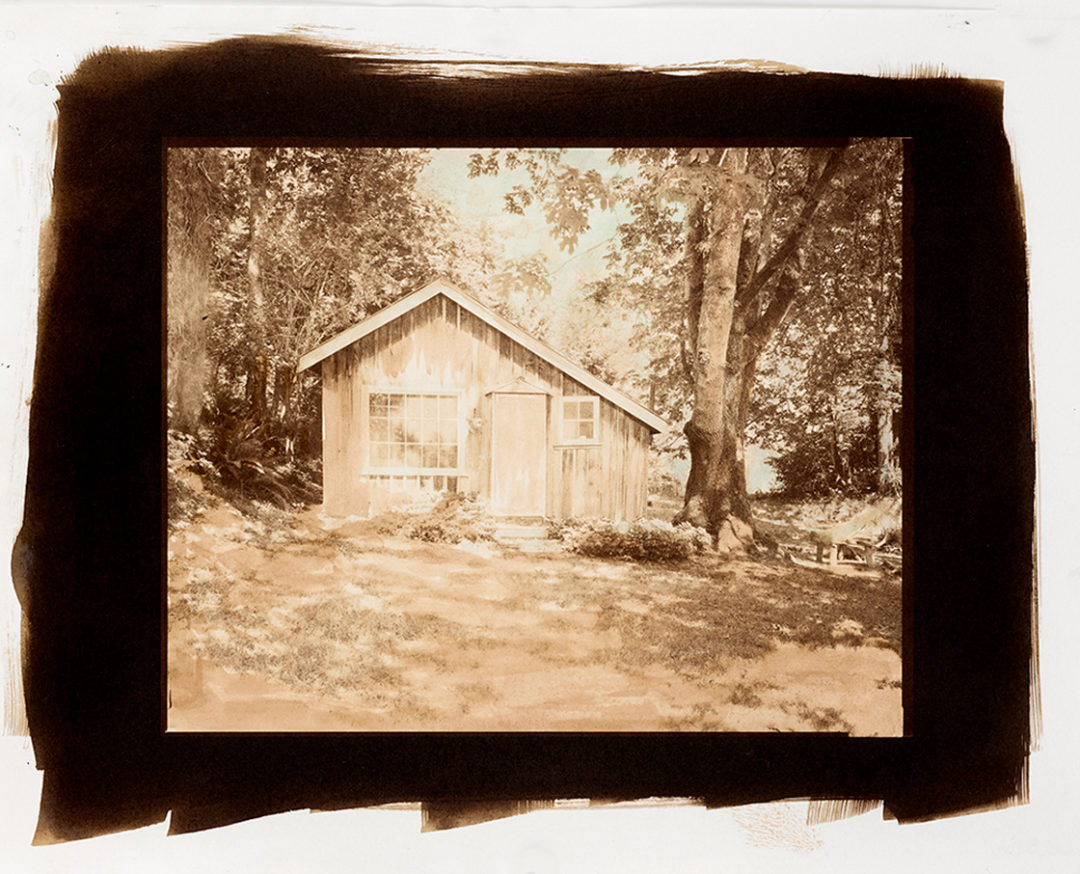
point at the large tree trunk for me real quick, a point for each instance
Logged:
(715, 237)
(728, 328)
(886, 427)
(188, 288)
(188, 292)
(257, 361)
(718, 466)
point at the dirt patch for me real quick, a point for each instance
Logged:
(311, 625)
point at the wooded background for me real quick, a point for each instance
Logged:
(749, 295)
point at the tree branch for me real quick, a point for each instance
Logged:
(695, 275)
(777, 311)
(812, 198)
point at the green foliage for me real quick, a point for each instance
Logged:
(827, 375)
(829, 386)
(643, 540)
(232, 472)
(811, 469)
(453, 518)
(343, 232)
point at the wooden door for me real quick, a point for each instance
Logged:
(519, 454)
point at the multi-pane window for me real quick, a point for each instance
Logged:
(579, 420)
(415, 432)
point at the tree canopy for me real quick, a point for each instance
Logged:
(272, 250)
(752, 293)
(815, 268)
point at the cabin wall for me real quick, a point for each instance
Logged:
(438, 346)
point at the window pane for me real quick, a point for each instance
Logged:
(412, 456)
(448, 431)
(448, 458)
(380, 429)
(448, 407)
(585, 430)
(587, 410)
(413, 406)
(412, 432)
(397, 431)
(570, 409)
(377, 404)
(429, 432)
(431, 406)
(569, 429)
(431, 456)
(378, 455)
(395, 405)
(397, 454)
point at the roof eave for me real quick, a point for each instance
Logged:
(535, 345)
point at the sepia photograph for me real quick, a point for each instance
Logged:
(535, 438)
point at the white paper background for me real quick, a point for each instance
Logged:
(1028, 45)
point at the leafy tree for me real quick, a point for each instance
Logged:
(194, 176)
(828, 397)
(298, 244)
(722, 249)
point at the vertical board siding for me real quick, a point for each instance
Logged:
(438, 347)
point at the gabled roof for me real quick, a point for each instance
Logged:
(466, 302)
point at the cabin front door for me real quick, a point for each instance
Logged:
(519, 454)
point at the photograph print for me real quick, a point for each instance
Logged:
(535, 439)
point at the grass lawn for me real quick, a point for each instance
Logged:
(298, 622)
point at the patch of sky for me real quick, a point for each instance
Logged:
(481, 201)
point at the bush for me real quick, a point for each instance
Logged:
(454, 517)
(241, 476)
(643, 540)
(809, 470)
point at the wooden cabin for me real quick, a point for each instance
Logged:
(437, 392)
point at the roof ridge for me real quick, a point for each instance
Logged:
(538, 347)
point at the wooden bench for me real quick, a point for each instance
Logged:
(856, 535)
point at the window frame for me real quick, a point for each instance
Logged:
(560, 440)
(370, 469)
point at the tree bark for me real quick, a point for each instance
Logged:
(188, 288)
(886, 472)
(712, 489)
(728, 330)
(257, 360)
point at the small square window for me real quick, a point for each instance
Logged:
(579, 420)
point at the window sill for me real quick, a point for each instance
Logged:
(579, 444)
